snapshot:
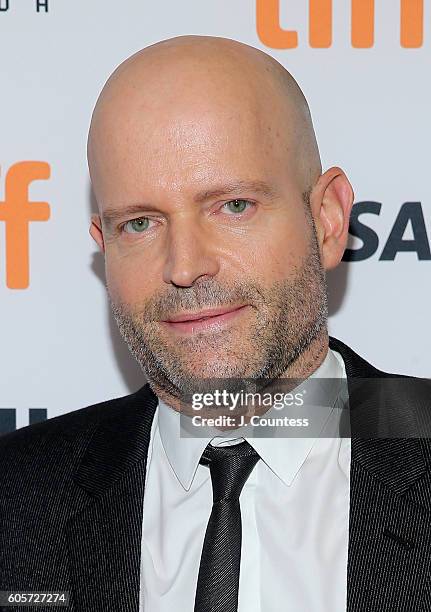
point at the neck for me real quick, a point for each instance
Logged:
(310, 359)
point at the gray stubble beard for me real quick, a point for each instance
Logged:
(290, 315)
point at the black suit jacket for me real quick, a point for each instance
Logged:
(72, 496)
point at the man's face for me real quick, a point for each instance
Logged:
(219, 221)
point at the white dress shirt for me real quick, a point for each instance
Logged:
(294, 509)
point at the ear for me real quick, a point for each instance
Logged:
(96, 231)
(331, 202)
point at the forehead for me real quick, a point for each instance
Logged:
(172, 143)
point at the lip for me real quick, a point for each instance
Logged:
(213, 318)
(210, 312)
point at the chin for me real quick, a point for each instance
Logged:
(215, 367)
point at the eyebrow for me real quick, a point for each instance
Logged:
(112, 214)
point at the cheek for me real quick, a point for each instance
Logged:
(279, 252)
(129, 279)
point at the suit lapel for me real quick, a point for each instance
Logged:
(104, 533)
(389, 537)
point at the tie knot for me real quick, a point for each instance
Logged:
(230, 466)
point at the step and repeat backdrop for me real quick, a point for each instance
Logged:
(364, 67)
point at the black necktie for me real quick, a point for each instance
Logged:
(218, 580)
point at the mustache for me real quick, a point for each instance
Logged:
(202, 295)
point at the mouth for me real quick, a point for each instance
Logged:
(211, 319)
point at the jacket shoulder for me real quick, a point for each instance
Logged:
(358, 366)
(63, 437)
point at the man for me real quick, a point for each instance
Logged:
(217, 226)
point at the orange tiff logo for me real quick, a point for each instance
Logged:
(17, 212)
(320, 24)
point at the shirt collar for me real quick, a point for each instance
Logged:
(283, 455)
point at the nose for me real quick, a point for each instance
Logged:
(191, 253)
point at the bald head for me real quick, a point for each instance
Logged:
(172, 87)
(200, 152)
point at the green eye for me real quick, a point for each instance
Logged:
(237, 206)
(136, 225)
